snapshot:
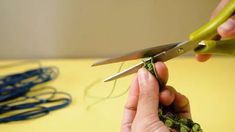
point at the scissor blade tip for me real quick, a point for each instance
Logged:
(106, 80)
(96, 64)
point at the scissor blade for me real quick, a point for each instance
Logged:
(166, 55)
(178, 50)
(137, 54)
(126, 72)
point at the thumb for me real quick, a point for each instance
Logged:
(227, 29)
(148, 95)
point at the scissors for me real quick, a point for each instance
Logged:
(202, 41)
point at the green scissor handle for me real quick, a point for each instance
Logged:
(209, 30)
(226, 47)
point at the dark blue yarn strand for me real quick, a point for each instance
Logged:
(38, 112)
(17, 86)
(9, 90)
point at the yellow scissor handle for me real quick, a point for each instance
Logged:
(226, 47)
(210, 29)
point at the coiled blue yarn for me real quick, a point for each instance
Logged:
(14, 91)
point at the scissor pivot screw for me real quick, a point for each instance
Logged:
(180, 50)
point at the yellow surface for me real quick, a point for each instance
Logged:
(210, 87)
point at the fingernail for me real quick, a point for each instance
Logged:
(143, 76)
(228, 25)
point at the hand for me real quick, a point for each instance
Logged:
(226, 30)
(141, 109)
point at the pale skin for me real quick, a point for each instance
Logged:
(141, 109)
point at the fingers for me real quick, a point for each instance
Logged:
(202, 57)
(131, 106)
(219, 7)
(143, 97)
(146, 118)
(162, 71)
(148, 95)
(181, 104)
(167, 96)
(149, 90)
(227, 29)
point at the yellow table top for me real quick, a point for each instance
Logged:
(210, 87)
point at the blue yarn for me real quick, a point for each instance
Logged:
(13, 95)
(14, 85)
